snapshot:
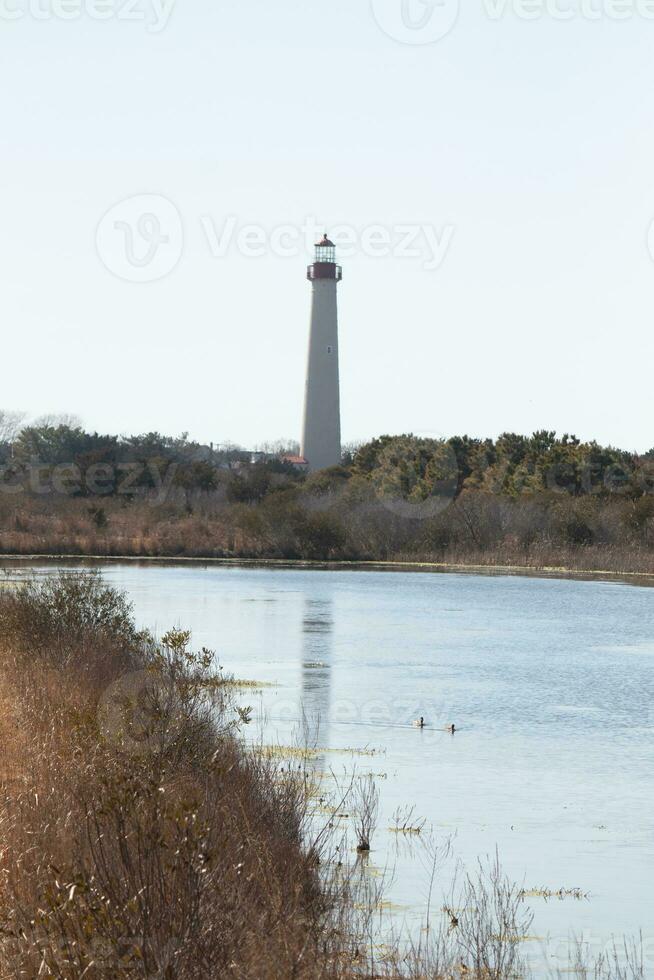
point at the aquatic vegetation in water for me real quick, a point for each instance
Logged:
(332, 811)
(239, 684)
(381, 906)
(306, 753)
(560, 893)
(406, 822)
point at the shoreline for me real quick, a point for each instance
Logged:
(289, 564)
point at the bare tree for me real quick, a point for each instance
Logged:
(58, 418)
(10, 425)
(279, 447)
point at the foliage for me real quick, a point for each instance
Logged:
(55, 618)
(540, 499)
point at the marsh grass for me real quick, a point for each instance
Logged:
(406, 822)
(559, 893)
(621, 961)
(246, 685)
(307, 753)
(606, 533)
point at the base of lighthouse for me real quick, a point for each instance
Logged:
(321, 432)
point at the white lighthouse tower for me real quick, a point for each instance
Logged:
(321, 432)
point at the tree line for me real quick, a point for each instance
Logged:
(527, 499)
(406, 466)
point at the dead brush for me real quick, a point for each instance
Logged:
(365, 806)
(492, 923)
(620, 961)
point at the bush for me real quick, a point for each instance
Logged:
(320, 536)
(69, 619)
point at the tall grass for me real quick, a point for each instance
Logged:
(542, 530)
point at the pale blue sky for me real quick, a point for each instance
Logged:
(532, 141)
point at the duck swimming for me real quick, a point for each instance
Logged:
(419, 723)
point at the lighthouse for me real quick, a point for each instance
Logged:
(321, 431)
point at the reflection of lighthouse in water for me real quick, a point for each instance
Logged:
(317, 639)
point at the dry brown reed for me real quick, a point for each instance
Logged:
(478, 529)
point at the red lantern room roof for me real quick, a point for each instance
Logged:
(325, 243)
